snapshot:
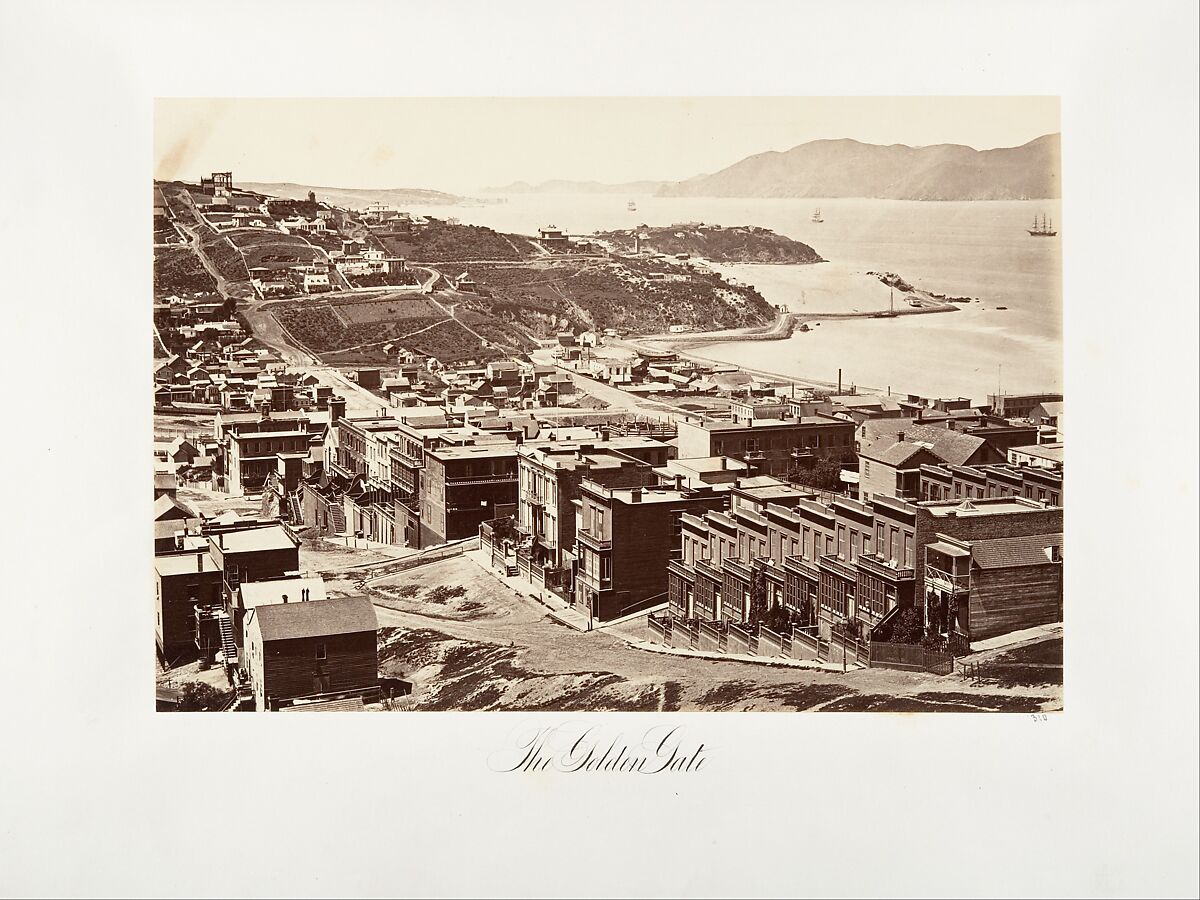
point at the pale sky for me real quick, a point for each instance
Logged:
(465, 144)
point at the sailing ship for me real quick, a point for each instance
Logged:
(631, 206)
(817, 215)
(890, 313)
(1045, 228)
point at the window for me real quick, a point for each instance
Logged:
(320, 650)
(908, 551)
(605, 568)
(866, 467)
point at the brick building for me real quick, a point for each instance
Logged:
(625, 538)
(549, 479)
(463, 486)
(182, 581)
(773, 446)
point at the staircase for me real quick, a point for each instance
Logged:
(337, 519)
(297, 514)
(228, 647)
(510, 569)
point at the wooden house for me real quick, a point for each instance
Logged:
(310, 652)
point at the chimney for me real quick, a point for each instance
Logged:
(199, 562)
(605, 433)
(678, 481)
(899, 435)
(285, 598)
(635, 496)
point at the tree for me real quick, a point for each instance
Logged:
(824, 475)
(199, 696)
(758, 597)
(312, 197)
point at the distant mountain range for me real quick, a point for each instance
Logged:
(633, 188)
(353, 197)
(847, 168)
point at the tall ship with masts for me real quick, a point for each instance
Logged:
(817, 215)
(1044, 228)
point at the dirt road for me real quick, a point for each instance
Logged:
(491, 648)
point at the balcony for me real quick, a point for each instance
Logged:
(738, 569)
(878, 566)
(952, 582)
(681, 570)
(801, 566)
(832, 563)
(460, 480)
(595, 541)
(706, 568)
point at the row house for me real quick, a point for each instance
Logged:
(827, 561)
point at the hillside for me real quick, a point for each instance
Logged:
(633, 188)
(848, 168)
(740, 244)
(354, 198)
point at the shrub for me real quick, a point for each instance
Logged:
(441, 593)
(199, 696)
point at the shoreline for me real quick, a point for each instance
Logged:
(784, 327)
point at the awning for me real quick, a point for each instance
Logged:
(947, 549)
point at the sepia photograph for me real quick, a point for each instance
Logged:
(438, 427)
(639, 428)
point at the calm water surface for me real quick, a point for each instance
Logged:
(969, 249)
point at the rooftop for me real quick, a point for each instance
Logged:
(495, 450)
(183, 564)
(251, 540)
(1053, 452)
(760, 424)
(265, 593)
(317, 618)
(1027, 550)
(983, 507)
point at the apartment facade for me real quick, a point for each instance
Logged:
(625, 537)
(773, 446)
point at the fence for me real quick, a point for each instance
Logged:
(434, 554)
(742, 640)
(910, 657)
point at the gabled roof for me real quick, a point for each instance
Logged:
(1004, 553)
(317, 618)
(169, 508)
(897, 454)
(1052, 408)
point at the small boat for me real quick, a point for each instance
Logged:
(816, 217)
(1001, 307)
(631, 206)
(804, 327)
(1045, 228)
